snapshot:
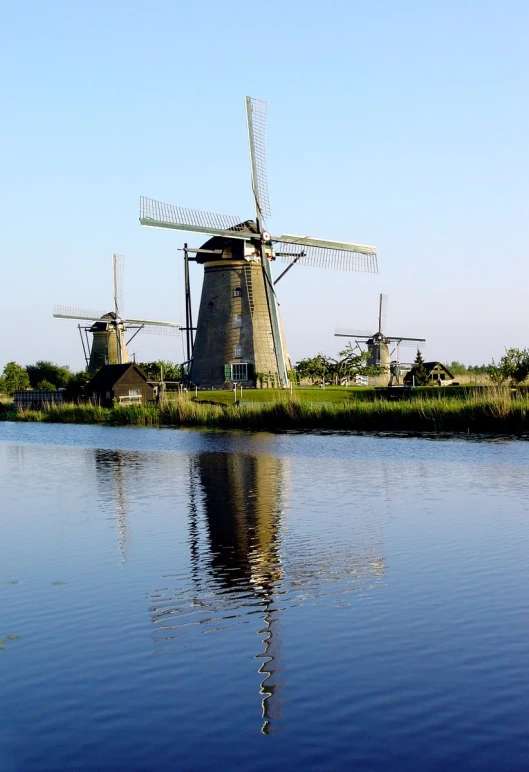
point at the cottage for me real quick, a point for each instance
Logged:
(125, 384)
(438, 375)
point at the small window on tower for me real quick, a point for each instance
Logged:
(238, 350)
(238, 320)
(237, 292)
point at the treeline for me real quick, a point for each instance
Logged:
(41, 375)
(457, 368)
(50, 377)
(512, 368)
(349, 363)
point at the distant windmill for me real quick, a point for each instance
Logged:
(108, 330)
(383, 349)
(239, 330)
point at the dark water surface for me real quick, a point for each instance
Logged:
(186, 600)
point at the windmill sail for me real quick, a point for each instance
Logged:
(382, 313)
(152, 323)
(117, 282)
(256, 121)
(342, 332)
(83, 314)
(156, 214)
(342, 246)
(317, 253)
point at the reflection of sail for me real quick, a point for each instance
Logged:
(241, 496)
(111, 468)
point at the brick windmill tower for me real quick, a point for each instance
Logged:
(239, 331)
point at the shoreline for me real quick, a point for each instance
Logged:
(497, 414)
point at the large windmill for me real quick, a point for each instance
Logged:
(239, 331)
(109, 346)
(383, 349)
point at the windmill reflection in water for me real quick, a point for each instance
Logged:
(242, 497)
(237, 540)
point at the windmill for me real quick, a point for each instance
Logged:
(108, 330)
(239, 331)
(383, 349)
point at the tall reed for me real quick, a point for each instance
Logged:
(474, 412)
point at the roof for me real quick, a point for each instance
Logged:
(109, 375)
(221, 242)
(429, 366)
(102, 324)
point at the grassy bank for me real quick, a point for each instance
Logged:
(474, 412)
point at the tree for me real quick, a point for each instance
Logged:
(351, 362)
(46, 386)
(15, 378)
(418, 371)
(171, 371)
(457, 368)
(354, 362)
(317, 368)
(75, 384)
(42, 370)
(513, 367)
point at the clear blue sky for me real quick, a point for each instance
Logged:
(400, 124)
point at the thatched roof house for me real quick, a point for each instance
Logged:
(437, 374)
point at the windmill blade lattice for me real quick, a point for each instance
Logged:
(117, 275)
(84, 314)
(327, 257)
(256, 120)
(156, 214)
(345, 333)
(153, 323)
(409, 344)
(383, 313)
(156, 329)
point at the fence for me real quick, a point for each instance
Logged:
(126, 399)
(37, 399)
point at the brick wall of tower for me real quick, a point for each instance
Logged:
(217, 332)
(104, 349)
(265, 357)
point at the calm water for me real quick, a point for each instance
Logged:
(185, 600)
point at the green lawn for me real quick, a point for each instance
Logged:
(304, 394)
(334, 394)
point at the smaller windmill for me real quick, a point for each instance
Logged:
(109, 346)
(383, 349)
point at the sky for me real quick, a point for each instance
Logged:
(398, 124)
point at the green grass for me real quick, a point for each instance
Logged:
(334, 394)
(309, 394)
(472, 412)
